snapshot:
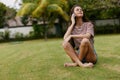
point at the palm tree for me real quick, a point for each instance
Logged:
(47, 10)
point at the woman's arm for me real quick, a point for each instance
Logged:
(87, 35)
(68, 33)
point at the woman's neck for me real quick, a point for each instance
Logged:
(79, 22)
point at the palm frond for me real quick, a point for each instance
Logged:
(40, 9)
(26, 9)
(57, 9)
(62, 3)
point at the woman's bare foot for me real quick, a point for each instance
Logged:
(88, 65)
(85, 65)
(70, 64)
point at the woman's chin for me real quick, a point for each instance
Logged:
(79, 15)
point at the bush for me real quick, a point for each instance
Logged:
(31, 34)
(6, 35)
(38, 31)
(107, 29)
(1, 35)
(19, 36)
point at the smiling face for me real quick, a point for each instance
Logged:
(78, 11)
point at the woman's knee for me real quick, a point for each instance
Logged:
(65, 45)
(84, 41)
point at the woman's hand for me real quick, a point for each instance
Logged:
(68, 38)
(73, 19)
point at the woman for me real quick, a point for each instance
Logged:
(82, 33)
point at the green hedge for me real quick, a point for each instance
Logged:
(107, 29)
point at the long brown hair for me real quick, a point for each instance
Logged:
(84, 18)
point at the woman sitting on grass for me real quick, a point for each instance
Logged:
(82, 33)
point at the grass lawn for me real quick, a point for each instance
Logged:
(43, 60)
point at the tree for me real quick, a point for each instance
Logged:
(2, 14)
(10, 13)
(6, 13)
(46, 10)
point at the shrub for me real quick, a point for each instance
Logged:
(19, 35)
(1, 35)
(107, 29)
(38, 31)
(6, 35)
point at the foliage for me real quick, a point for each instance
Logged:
(107, 29)
(19, 35)
(24, 20)
(1, 35)
(2, 14)
(109, 13)
(5, 35)
(31, 1)
(26, 9)
(5, 14)
(47, 10)
(43, 7)
(38, 31)
(10, 13)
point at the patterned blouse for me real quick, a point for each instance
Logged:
(86, 27)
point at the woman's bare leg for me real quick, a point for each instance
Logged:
(86, 51)
(71, 53)
(91, 56)
(83, 49)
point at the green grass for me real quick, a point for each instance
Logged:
(43, 60)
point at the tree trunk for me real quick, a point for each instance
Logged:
(45, 28)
